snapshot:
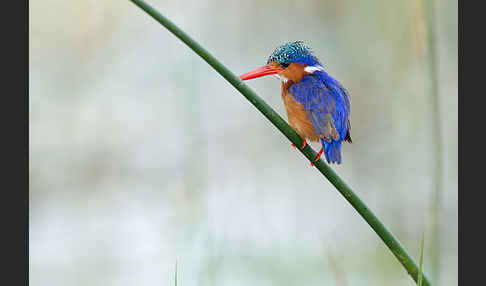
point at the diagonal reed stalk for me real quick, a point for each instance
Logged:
(391, 242)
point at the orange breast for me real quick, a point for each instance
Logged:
(298, 117)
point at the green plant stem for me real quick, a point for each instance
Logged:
(421, 261)
(436, 140)
(175, 274)
(387, 237)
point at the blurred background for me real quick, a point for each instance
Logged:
(142, 156)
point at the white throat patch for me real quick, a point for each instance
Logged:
(281, 77)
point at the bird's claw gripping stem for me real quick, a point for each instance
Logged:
(317, 157)
(304, 143)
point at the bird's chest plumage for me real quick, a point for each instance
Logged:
(297, 116)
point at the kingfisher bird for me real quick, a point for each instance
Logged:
(318, 107)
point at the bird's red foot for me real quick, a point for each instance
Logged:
(304, 143)
(318, 156)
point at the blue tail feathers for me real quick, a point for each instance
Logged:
(332, 151)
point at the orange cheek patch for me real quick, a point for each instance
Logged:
(294, 72)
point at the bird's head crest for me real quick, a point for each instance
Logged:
(293, 52)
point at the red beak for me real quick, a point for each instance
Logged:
(261, 71)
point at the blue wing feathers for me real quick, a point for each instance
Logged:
(328, 108)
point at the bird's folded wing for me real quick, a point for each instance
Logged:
(320, 103)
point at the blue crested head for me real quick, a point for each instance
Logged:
(293, 52)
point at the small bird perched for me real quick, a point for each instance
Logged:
(317, 105)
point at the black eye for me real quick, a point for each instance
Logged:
(285, 65)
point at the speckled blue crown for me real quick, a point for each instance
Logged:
(293, 52)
